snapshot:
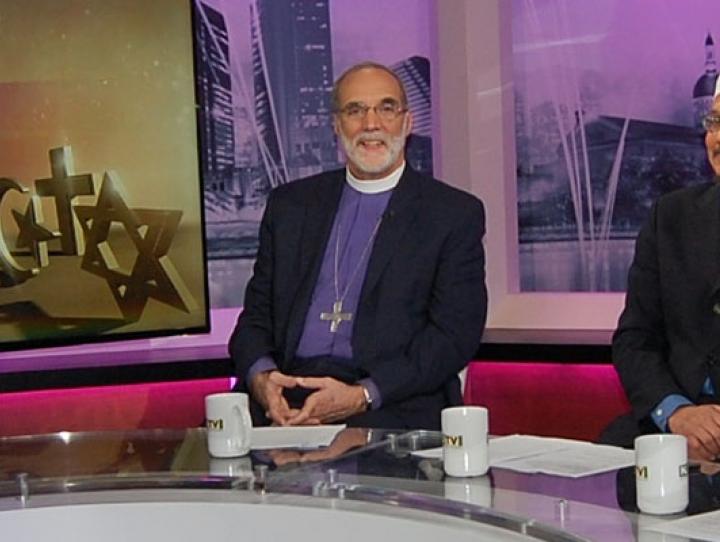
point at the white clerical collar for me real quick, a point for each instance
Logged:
(375, 186)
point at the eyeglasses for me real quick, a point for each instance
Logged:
(711, 123)
(387, 110)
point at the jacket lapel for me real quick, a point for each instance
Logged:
(398, 217)
(707, 236)
(706, 241)
(316, 224)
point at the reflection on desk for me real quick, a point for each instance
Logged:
(359, 465)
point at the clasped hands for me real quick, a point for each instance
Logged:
(332, 399)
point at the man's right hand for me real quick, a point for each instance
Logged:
(701, 425)
(267, 389)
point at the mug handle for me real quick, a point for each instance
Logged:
(243, 428)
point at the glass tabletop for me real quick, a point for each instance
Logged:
(360, 466)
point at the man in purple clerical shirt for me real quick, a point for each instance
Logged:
(368, 292)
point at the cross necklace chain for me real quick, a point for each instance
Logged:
(337, 316)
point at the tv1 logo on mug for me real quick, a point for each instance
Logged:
(229, 426)
(465, 440)
(661, 473)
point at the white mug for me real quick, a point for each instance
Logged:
(229, 426)
(465, 440)
(661, 473)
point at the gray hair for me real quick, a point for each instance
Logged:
(365, 66)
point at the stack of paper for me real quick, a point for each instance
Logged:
(560, 457)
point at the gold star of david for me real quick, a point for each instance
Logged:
(33, 234)
(153, 275)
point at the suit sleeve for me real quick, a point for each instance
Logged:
(252, 337)
(455, 319)
(639, 347)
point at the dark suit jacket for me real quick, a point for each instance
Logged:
(668, 337)
(422, 306)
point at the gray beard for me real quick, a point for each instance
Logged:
(394, 144)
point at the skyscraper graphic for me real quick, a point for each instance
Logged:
(272, 152)
(414, 72)
(217, 131)
(293, 78)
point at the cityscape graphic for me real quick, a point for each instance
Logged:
(599, 135)
(607, 110)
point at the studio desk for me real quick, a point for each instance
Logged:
(158, 485)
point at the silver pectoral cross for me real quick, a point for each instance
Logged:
(336, 316)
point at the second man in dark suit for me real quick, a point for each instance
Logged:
(667, 345)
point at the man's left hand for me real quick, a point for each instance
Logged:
(333, 400)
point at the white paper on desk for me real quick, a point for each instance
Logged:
(300, 436)
(559, 457)
(573, 461)
(700, 527)
(520, 446)
(509, 447)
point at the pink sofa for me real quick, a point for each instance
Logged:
(555, 399)
(549, 399)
